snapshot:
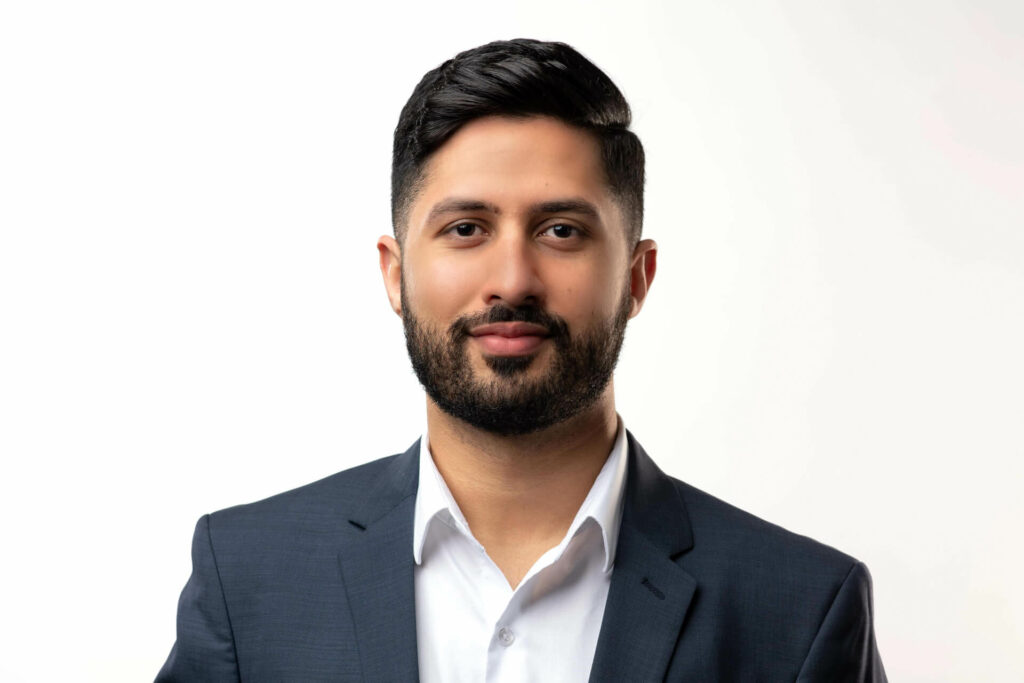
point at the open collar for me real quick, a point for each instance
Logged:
(648, 599)
(603, 503)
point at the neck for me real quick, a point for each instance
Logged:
(519, 494)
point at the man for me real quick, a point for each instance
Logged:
(526, 535)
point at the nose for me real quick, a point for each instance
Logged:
(513, 277)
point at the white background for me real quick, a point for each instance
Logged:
(191, 314)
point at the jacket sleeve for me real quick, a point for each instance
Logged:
(844, 648)
(205, 646)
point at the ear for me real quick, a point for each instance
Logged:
(641, 273)
(391, 269)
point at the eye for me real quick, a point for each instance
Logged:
(463, 230)
(562, 231)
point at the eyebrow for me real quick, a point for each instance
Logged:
(457, 205)
(580, 206)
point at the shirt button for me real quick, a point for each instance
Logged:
(506, 636)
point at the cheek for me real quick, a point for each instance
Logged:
(585, 292)
(440, 288)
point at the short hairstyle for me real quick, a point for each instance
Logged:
(518, 78)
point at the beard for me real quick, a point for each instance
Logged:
(511, 402)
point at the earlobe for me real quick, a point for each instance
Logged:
(390, 253)
(641, 273)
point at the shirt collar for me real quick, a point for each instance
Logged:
(603, 502)
(433, 500)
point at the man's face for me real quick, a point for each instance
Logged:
(514, 280)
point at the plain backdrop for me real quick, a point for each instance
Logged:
(191, 313)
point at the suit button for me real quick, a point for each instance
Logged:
(506, 636)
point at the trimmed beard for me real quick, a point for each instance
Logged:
(511, 403)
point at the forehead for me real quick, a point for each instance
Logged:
(514, 163)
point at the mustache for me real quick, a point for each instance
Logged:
(556, 326)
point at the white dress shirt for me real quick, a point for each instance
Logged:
(472, 626)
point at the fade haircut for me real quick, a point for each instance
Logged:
(518, 78)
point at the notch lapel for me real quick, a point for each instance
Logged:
(649, 593)
(377, 570)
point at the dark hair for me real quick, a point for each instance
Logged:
(521, 77)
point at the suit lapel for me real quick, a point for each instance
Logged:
(647, 600)
(649, 593)
(377, 568)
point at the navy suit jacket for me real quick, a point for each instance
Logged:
(316, 584)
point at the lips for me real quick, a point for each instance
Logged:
(510, 338)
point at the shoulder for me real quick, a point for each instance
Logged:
(773, 598)
(726, 530)
(320, 503)
(762, 584)
(294, 538)
(743, 560)
(717, 537)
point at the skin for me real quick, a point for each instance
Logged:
(519, 494)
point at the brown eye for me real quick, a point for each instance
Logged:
(562, 231)
(464, 229)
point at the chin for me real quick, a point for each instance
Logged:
(510, 366)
